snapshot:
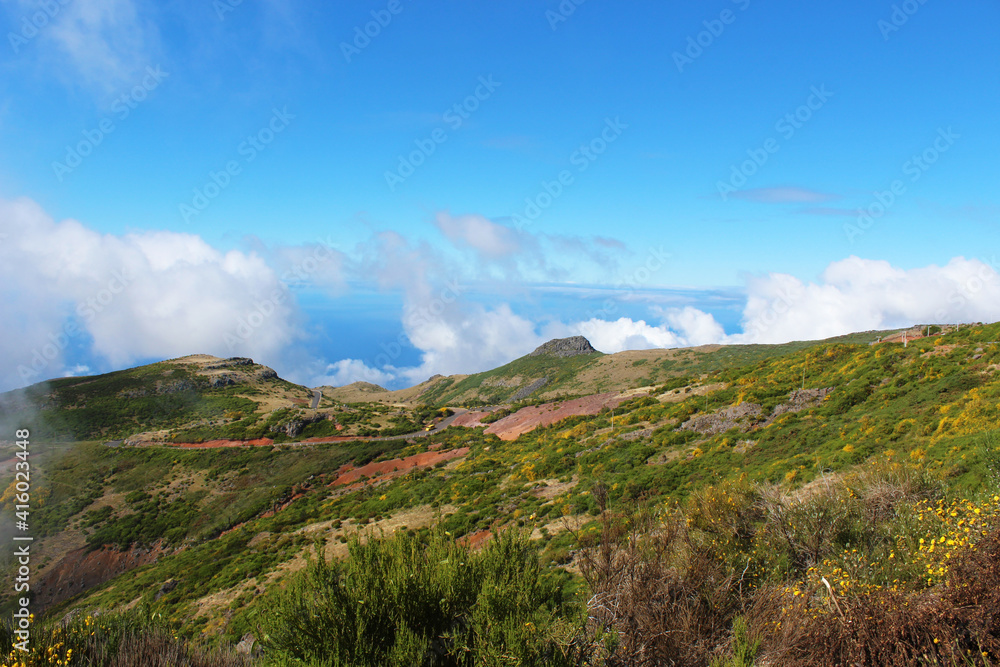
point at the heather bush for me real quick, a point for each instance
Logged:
(400, 601)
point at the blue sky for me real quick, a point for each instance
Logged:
(211, 147)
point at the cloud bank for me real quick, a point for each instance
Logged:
(68, 292)
(138, 296)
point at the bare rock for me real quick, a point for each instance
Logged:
(565, 347)
(223, 380)
(265, 373)
(524, 392)
(168, 585)
(248, 646)
(743, 416)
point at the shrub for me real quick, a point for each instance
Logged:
(398, 601)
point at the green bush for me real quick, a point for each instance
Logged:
(401, 601)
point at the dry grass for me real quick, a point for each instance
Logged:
(957, 624)
(734, 579)
(669, 601)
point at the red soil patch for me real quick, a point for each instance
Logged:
(470, 419)
(395, 467)
(81, 570)
(476, 540)
(532, 417)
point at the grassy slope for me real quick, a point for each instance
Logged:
(114, 405)
(928, 405)
(593, 373)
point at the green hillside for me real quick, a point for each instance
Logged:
(596, 372)
(501, 384)
(157, 396)
(835, 460)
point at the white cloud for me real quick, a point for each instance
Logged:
(625, 334)
(106, 42)
(852, 295)
(683, 327)
(452, 334)
(695, 326)
(155, 295)
(784, 195)
(347, 371)
(127, 298)
(479, 233)
(857, 294)
(466, 339)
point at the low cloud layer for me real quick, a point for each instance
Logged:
(72, 295)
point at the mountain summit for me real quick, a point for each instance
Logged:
(564, 347)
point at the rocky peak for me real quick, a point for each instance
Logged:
(564, 347)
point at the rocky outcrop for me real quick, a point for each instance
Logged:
(565, 347)
(249, 646)
(168, 585)
(527, 391)
(294, 427)
(230, 363)
(743, 416)
(265, 373)
(800, 399)
(242, 370)
(223, 380)
(748, 416)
